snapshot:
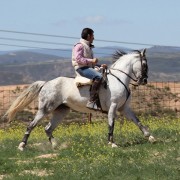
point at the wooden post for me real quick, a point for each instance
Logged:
(89, 118)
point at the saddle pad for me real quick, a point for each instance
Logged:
(82, 81)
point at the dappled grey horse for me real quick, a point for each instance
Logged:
(60, 95)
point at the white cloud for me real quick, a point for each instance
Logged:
(103, 20)
(93, 19)
(61, 22)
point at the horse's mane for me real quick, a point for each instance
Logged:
(119, 53)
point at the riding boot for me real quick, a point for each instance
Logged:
(94, 95)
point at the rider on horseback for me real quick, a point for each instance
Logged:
(84, 63)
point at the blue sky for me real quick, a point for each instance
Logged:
(139, 21)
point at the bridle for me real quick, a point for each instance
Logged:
(143, 69)
(135, 80)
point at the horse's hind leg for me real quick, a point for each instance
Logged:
(58, 116)
(39, 115)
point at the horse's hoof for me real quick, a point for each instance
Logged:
(54, 143)
(21, 146)
(113, 145)
(151, 139)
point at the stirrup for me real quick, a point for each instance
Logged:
(92, 105)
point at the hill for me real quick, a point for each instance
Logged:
(164, 63)
(22, 67)
(21, 57)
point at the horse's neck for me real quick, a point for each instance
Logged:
(124, 65)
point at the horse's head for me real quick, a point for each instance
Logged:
(137, 63)
(140, 68)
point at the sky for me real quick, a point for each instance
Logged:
(152, 22)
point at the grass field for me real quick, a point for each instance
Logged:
(83, 152)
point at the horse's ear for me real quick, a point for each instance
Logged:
(143, 52)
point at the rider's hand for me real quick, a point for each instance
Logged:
(104, 66)
(95, 60)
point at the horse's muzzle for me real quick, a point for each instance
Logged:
(142, 81)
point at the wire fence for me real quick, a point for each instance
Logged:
(155, 99)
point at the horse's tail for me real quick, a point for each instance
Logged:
(25, 98)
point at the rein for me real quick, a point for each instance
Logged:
(128, 90)
(135, 80)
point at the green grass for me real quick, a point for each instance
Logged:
(83, 152)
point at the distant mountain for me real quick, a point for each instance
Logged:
(164, 63)
(164, 49)
(19, 57)
(67, 53)
(107, 51)
(62, 53)
(98, 51)
(4, 52)
(20, 67)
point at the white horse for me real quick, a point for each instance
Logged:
(59, 95)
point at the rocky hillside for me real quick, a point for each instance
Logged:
(24, 67)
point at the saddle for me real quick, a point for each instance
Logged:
(83, 81)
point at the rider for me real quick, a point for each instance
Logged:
(84, 63)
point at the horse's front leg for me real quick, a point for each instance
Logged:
(130, 115)
(111, 121)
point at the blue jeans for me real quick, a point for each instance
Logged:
(89, 73)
